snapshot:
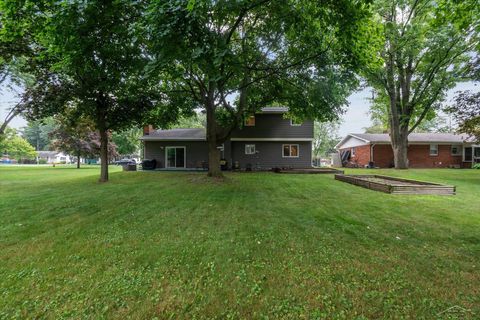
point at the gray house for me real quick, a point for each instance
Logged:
(266, 140)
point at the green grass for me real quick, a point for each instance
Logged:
(257, 246)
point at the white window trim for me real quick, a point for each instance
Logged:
(291, 144)
(184, 156)
(248, 146)
(460, 149)
(295, 124)
(430, 150)
(249, 125)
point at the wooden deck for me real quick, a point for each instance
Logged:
(396, 185)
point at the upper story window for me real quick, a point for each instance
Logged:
(434, 149)
(249, 121)
(456, 150)
(249, 149)
(290, 150)
(295, 123)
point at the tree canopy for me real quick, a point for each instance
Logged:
(37, 133)
(91, 63)
(230, 58)
(15, 147)
(425, 47)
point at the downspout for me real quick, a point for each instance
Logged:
(371, 152)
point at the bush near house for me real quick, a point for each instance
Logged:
(256, 246)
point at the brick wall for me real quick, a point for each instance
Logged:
(383, 155)
(361, 157)
(418, 155)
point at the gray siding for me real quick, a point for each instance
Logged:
(196, 152)
(269, 155)
(274, 126)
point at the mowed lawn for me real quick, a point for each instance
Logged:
(256, 246)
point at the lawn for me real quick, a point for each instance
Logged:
(256, 246)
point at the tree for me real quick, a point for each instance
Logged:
(325, 135)
(198, 120)
(37, 133)
(92, 60)
(78, 138)
(230, 58)
(425, 47)
(15, 146)
(466, 111)
(16, 51)
(127, 142)
(466, 107)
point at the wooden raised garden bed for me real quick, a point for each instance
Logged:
(396, 185)
(308, 170)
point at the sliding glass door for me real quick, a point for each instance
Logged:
(175, 157)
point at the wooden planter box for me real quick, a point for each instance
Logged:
(396, 185)
(308, 171)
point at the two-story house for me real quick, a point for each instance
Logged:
(266, 140)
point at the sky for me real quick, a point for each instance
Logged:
(353, 121)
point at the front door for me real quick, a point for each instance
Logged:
(175, 157)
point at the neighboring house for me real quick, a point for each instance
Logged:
(54, 157)
(266, 140)
(425, 150)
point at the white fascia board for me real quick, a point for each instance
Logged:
(338, 145)
(271, 139)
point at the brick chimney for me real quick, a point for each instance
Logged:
(147, 130)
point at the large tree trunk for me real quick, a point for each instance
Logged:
(213, 152)
(78, 160)
(103, 156)
(400, 147)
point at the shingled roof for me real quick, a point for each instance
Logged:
(414, 137)
(176, 134)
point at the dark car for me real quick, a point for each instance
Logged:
(125, 161)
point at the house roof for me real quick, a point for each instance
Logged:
(412, 138)
(47, 154)
(176, 134)
(274, 110)
(195, 133)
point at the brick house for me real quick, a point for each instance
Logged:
(425, 150)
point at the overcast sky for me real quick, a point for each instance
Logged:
(354, 120)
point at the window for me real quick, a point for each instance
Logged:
(456, 150)
(250, 121)
(295, 123)
(434, 149)
(467, 157)
(249, 149)
(352, 151)
(290, 150)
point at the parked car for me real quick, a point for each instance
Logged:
(125, 161)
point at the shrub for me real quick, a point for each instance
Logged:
(476, 166)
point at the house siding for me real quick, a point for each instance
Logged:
(196, 152)
(270, 155)
(274, 126)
